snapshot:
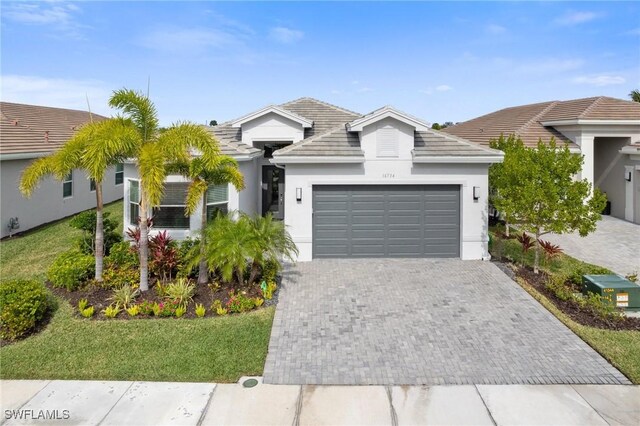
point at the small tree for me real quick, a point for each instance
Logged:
(536, 190)
(635, 95)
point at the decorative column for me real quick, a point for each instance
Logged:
(586, 146)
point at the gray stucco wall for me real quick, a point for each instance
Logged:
(609, 171)
(47, 203)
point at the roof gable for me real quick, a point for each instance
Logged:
(304, 122)
(387, 112)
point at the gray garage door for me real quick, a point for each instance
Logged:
(386, 221)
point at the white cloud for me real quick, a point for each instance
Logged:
(575, 18)
(599, 80)
(635, 32)
(190, 40)
(60, 16)
(365, 90)
(56, 92)
(439, 88)
(285, 35)
(495, 29)
(549, 65)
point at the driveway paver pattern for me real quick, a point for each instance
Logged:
(420, 322)
(615, 244)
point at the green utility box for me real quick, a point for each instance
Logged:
(619, 291)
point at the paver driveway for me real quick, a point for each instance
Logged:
(420, 321)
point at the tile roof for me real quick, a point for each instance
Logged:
(336, 142)
(325, 116)
(28, 129)
(526, 120)
(230, 140)
(433, 143)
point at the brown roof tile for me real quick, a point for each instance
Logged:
(26, 129)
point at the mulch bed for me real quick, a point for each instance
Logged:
(99, 298)
(571, 308)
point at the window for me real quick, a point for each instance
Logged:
(134, 201)
(67, 186)
(171, 213)
(387, 142)
(92, 185)
(119, 173)
(217, 200)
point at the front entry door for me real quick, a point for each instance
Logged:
(273, 191)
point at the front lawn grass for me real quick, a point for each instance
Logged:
(31, 254)
(620, 348)
(220, 349)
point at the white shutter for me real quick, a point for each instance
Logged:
(387, 142)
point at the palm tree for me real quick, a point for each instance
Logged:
(155, 149)
(94, 148)
(272, 242)
(635, 95)
(202, 176)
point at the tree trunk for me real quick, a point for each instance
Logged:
(144, 245)
(536, 257)
(203, 270)
(99, 242)
(506, 228)
(255, 270)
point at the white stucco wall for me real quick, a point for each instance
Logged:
(474, 220)
(47, 203)
(271, 127)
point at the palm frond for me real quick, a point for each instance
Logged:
(108, 142)
(151, 166)
(34, 173)
(182, 140)
(139, 109)
(196, 191)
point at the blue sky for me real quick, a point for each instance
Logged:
(208, 60)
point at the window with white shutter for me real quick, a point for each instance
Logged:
(387, 142)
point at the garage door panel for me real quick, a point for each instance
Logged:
(386, 221)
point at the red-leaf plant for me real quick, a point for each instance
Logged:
(164, 255)
(550, 250)
(526, 241)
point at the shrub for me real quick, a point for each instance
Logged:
(124, 296)
(200, 310)
(82, 304)
(550, 250)
(180, 291)
(575, 274)
(117, 277)
(217, 306)
(257, 302)
(86, 222)
(180, 311)
(23, 304)
(557, 284)
(122, 255)
(633, 277)
(268, 288)
(111, 311)
(146, 307)
(601, 307)
(165, 309)
(163, 255)
(238, 303)
(270, 270)
(71, 269)
(87, 312)
(187, 250)
(133, 310)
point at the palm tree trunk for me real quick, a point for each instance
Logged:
(99, 243)
(144, 245)
(203, 272)
(536, 259)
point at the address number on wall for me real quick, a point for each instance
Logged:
(388, 175)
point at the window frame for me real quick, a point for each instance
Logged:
(133, 221)
(119, 173)
(218, 203)
(67, 180)
(92, 185)
(183, 206)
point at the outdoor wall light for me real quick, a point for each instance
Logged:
(476, 193)
(298, 194)
(627, 175)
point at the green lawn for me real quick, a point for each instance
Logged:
(220, 349)
(29, 255)
(621, 348)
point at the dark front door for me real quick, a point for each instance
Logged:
(273, 191)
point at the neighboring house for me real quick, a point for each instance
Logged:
(606, 131)
(28, 132)
(346, 185)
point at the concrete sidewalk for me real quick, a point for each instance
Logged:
(151, 403)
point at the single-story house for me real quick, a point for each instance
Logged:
(28, 132)
(606, 131)
(382, 184)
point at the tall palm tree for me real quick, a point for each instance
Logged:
(155, 150)
(94, 148)
(202, 176)
(635, 95)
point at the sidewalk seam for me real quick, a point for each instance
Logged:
(205, 410)
(392, 410)
(485, 405)
(296, 416)
(4, 419)
(110, 409)
(589, 404)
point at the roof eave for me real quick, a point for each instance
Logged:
(359, 124)
(24, 155)
(453, 159)
(317, 159)
(305, 123)
(573, 122)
